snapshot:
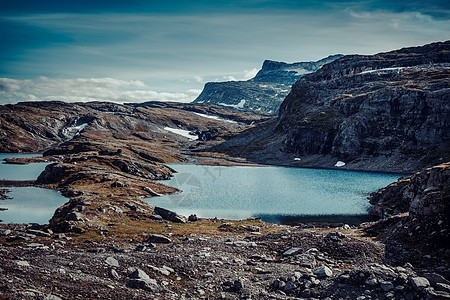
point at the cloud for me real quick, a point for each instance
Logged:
(85, 89)
(198, 79)
(249, 74)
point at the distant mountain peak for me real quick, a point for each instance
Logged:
(266, 91)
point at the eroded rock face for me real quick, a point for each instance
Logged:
(349, 110)
(425, 194)
(384, 112)
(266, 91)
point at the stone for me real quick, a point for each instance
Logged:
(74, 216)
(140, 248)
(323, 271)
(289, 287)
(35, 245)
(306, 260)
(443, 287)
(113, 274)
(244, 244)
(238, 285)
(419, 283)
(51, 297)
(112, 261)
(252, 228)
(158, 239)
(149, 285)
(4, 232)
(139, 274)
(372, 281)
(291, 251)
(38, 232)
(435, 278)
(169, 215)
(193, 218)
(438, 295)
(207, 275)
(22, 263)
(386, 286)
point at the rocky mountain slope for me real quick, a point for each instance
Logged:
(383, 112)
(265, 91)
(38, 126)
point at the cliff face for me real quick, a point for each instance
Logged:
(385, 112)
(265, 91)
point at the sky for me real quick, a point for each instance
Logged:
(136, 50)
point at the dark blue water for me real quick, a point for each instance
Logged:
(28, 204)
(270, 192)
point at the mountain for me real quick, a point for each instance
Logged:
(383, 112)
(265, 91)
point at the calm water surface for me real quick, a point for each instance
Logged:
(270, 192)
(20, 172)
(29, 204)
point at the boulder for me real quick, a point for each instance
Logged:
(419, 283)
(158, 239)
(169, 215)
(323, 271)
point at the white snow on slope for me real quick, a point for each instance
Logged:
(239, 105)
(215, 118)
(182, 132)
(383, 70)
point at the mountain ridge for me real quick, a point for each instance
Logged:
(263, 92)
(388, 111)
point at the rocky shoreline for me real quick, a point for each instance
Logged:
(107, 243)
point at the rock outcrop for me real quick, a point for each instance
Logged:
(415, 214)
(424, 194)
(266, 91)
(383, 112)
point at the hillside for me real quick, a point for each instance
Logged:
(383, 112)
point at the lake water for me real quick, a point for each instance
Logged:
(272, 193)
(29, 204)
(20, 172)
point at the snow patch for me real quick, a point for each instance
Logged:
(239, 105)
(339, 164)
(80, 128)
(182, 132)
(297, 158)
(215, 118)
(383, 70)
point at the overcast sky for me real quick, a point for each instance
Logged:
(148, 50)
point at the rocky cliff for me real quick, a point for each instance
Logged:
(425, 194)
(384, 112)
(265, 91)
(416, 213)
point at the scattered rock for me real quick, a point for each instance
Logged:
(169, 215)
(22, 263)
(112, 261)
(113, 274)
(150, 285)
(38, 232)
(5, 232)
(291, 251)
(238, 285)
(435, 278)
(158, 239)
(193, 218)
(323, 271)
(419, 283)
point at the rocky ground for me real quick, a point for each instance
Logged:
(210, 259)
